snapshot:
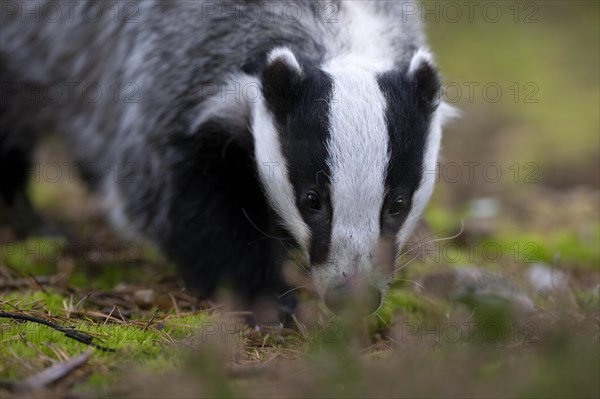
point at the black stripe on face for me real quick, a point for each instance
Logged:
(411, 101)
(300, 106)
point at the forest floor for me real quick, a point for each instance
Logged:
(486, 302)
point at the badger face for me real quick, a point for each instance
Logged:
(346, 153)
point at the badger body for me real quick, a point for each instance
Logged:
(239, 129)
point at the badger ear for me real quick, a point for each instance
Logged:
(281, 80)
(423, 73)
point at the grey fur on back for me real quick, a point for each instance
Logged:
(171, 51)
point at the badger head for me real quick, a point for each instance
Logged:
(346, 152)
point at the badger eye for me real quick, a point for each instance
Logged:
(313, 201)
(397, 206)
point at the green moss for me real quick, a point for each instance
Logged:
(563, 246)
(411, 307)
(49, 301)
(25, 344)
(36, 255)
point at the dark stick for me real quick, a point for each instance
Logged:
(68, 331)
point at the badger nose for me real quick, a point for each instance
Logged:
(347, 296)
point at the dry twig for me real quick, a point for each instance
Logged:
(68, 331)
(51, 374)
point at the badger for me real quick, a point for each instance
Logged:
(243, 131)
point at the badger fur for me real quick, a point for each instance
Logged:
(249, 129)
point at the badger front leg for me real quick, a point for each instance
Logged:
(221, 228)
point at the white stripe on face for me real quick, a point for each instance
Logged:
(273, 171)
(421, 197)
(358, 159)
(423, 193)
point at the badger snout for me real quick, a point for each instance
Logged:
(354, 294)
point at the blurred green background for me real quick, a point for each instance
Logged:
(525, 76)
(544, 57)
